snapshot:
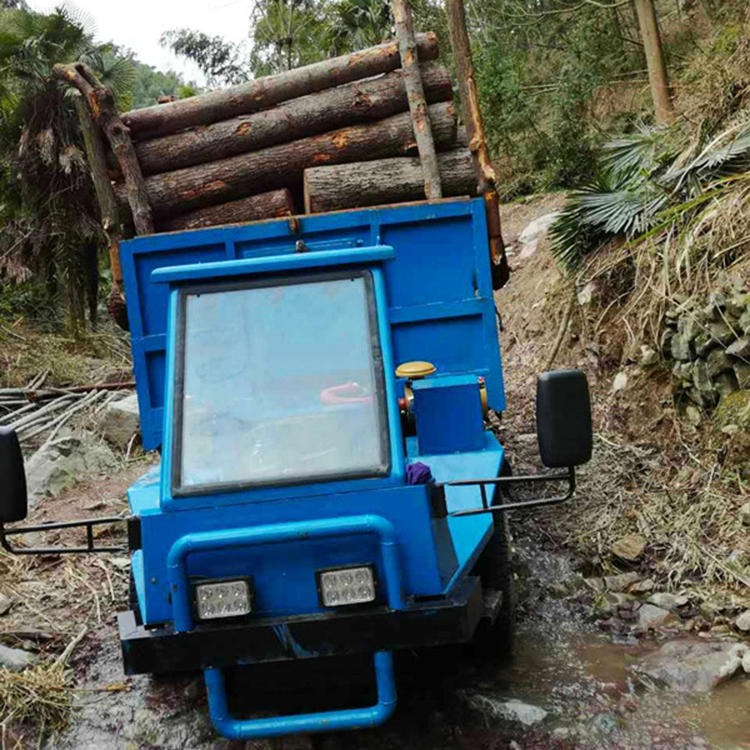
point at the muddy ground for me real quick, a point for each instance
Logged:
(571, 676)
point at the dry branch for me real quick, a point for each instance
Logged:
(360, 101)
(101, 104)
(266, 92)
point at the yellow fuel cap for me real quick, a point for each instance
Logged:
(415, 370)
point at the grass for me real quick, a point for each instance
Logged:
(25, 353)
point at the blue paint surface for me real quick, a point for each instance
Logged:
(428, 273)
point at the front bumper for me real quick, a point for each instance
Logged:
(452, 619)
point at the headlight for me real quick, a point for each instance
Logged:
(223, 599)
(343, 586)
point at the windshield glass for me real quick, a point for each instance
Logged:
(280, 384)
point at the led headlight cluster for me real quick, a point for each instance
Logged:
(223, 599)
(342, 586)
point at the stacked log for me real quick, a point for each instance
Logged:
(336, 134)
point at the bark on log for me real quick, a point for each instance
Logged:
(661, 92)
(266, 92)
(372, 183)
(360, 101)
(467, 87)
(269, 205)
(97, 159)
(283, 165)
(101, 104)
(416, 96)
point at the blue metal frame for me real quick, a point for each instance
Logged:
(356, 258)
(324, 721)
(438, 285)
(431, 279)
(276, 534)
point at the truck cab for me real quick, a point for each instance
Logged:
(318, 390)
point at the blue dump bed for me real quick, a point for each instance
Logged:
(438, 286)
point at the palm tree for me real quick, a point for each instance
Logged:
(47, 203)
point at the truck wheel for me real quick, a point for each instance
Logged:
(494, 568)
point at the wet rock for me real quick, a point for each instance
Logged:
(649, 357)
(621, 581)
(721, 333)
(603, 725)
(15, 659)
(629, 548)
(535, 231)
(620, 383)
(121, 421)
(717, 362)
(742, 373)
(734, 409)
(5, 604)
(743, 622)
(740, 348)
(651, 617)
(702, 378)
(585, 294)
(642, 587)
(668, 601)
(725, 383)
(64, 462)
(503, 709)
(692, 666)
(679, 347)
(745, 514)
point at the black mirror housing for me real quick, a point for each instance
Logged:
(13, 495)
(563, 418)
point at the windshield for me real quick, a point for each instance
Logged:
(279, 384)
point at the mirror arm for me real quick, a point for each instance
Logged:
(87, 523)
(569, 476)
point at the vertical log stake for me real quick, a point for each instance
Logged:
(415, 93)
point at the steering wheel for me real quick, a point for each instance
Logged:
(346, 393)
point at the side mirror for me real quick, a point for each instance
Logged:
(563, 418)
(13, 496)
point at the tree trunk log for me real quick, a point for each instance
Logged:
(472, 117)
(96, 156)
(657, 68)
(101, 104)
(360, 101)
(415, 94)
(467, 88)
(266, 92)
(269, 205)
(372, 183)
(283, 165)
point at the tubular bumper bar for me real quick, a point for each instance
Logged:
(245, 729)
(323, 721)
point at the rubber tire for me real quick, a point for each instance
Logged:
(495, 572)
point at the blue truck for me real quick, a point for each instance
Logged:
(329, 487)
